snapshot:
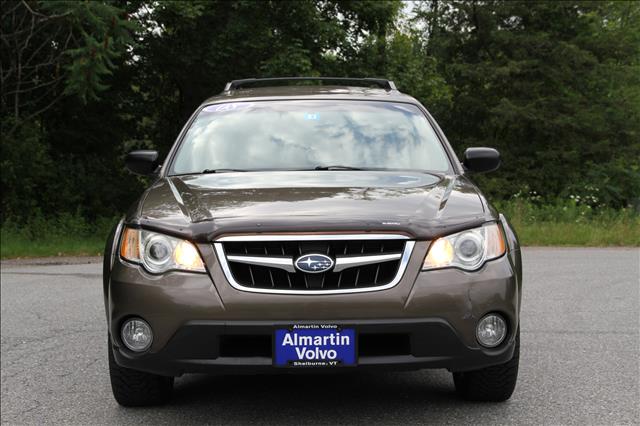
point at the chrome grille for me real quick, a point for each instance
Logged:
(265, 264)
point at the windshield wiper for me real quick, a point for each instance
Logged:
(207, 171)
(337, 167)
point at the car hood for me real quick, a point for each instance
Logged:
(202, 207)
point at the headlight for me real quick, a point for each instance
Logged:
(159, 253)
(467, 250)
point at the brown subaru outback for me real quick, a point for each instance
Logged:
(312, 224)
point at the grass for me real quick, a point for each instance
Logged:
(579, 234)
(66, 235)
(564, 223)
(19, 247)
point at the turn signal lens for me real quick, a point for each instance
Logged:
(160, 253)
(130, 247)
(467, 250)
(495, 241)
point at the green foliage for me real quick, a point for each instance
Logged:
(21, 184)
(104, 35)
(416, 73)
(191, 49)
(553, 85)
(53, 49)
(572, 222)
(54, 236)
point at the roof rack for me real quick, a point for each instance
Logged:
(380, 82)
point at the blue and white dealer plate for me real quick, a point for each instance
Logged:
(314, 345)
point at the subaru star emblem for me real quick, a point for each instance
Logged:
(314, 263)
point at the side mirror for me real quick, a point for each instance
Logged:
(142, 162)
(481, 159)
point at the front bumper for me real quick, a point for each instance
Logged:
(244, 347)
(202, 324)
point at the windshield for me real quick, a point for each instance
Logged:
(309, 134)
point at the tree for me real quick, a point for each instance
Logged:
(55, 58)
(553, 85)
(53, 49)
(191, 49)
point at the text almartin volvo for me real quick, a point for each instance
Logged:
(314, 227)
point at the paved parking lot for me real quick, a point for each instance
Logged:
(579, 363)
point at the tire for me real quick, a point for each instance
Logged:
(491, 384)
(132, 388)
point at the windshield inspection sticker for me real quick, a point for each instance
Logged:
(311, 116)
(314, 345)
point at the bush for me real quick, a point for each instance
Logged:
(65, 234)
(572, 222)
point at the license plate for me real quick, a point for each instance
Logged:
(314, 345)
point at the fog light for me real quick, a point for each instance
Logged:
(491, 330)
(136, 334)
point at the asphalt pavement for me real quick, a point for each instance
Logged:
(579, 358)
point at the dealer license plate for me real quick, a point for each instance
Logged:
(314, 345)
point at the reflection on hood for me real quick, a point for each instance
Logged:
(418, 204)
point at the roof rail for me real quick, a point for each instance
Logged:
(380, 82)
